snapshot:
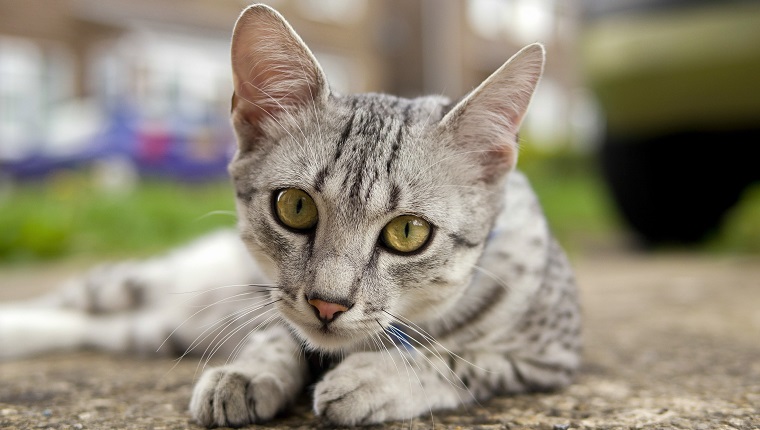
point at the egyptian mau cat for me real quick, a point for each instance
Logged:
(391, 233)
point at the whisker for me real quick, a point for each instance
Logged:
(458, 384)
(427, 336)
(200, 338)
(235, 301)
(239, 346)
(270, 115)
(408, 365)
(285, 110)
(209, 290)
(257, 305)
(217, 345)
(493, 276)
(262, 325)
(394, 331)
(243, 342)
(210, 327)
(218, 212)
(190, 317)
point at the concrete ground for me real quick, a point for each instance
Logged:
(672, 341)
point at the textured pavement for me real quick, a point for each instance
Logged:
(672, 341)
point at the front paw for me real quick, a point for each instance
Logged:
(360, 391)
(230, 396)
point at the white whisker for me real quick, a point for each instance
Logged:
(206, 291)
(408, 365)
(218, 345)
(211, 213)
(190, 317)
(493, 276)
(241, 344)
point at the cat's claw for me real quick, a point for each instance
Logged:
(232, 397)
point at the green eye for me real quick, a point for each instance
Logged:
(406, 233)
(296, 209)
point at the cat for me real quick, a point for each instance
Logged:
(390, 238)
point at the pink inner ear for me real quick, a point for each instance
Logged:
(487, 129)
(273, 70)
(487, 121)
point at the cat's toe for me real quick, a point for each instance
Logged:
(231, 398)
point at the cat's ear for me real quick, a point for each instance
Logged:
(485, 123)
(274, 73)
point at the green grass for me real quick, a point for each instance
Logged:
(572, 195)
(68, 216)
(740, 231)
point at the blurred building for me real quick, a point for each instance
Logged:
(171, 57)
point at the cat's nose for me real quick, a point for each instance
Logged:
(327, 311)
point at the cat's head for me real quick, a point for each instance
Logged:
(365, 208)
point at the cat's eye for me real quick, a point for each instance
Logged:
(406, 233)
(296, 209)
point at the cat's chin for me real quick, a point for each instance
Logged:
(328, 339)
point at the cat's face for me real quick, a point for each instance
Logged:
(370, 208)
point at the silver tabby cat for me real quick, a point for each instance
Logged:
(392, 233)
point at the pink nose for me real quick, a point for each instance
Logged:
(327, 310)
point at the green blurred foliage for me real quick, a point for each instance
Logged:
(68, 216)
(572, 195)
(740, 231)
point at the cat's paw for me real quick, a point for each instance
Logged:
(364, 389)
(231, 396)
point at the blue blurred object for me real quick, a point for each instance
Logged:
(178, 148)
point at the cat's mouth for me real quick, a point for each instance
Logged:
(321, 335)
(330, 336)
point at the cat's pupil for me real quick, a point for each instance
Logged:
(299, 206)
(406, 230)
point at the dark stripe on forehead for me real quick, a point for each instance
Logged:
(394, 197)
(394, 150)
(371, 131)
(371, 186)
(345, 133)
(319, 180)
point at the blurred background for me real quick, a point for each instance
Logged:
(643, 134)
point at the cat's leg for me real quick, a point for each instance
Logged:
(266, 377)
(214, 260)
(129, 306)
(373, 387)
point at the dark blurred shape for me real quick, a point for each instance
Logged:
(678, 82)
